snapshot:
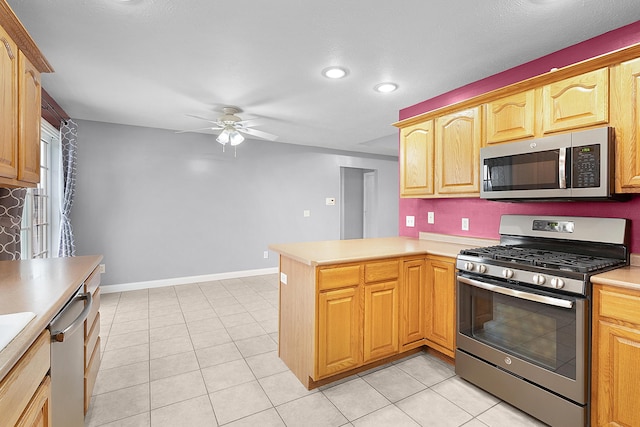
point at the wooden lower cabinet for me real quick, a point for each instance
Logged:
(412, 302)
(25, 392)
(338, 319)
(339, 331)
(616, 352)
(440, 290)
(38, 412)
(380, 320)
(92, 337)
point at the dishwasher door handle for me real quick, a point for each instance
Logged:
(58, 336)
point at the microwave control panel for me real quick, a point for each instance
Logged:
(586, 166)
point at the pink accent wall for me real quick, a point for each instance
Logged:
(605, 43)
(484, 216)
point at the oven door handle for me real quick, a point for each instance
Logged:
(557, 302)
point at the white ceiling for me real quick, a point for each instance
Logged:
(152, 62)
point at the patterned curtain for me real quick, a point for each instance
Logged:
(11, 204)
(69, 142)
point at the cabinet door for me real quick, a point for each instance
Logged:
(416, 160)
(458, 152)
(412, 324)
(616, 352)
(38, 413)
(380, 320)
(626, 113)
(8, 106)
(576, 102)
(510, 118)
(339, 331)
(440, 305)
(29, 131)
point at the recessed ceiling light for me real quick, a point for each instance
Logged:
(334, 72)
(385, 87)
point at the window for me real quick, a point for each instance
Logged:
(41, 218)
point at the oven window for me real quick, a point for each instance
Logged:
(538, 333)
(531, 171)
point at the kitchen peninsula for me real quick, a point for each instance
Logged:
(42, 287)
(349, 305)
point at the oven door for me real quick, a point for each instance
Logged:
(539, 336)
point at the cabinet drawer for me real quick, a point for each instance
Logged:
(379, 271)
(90, 375)
(21, 383)
(91, 340)
(338, 277)
(619, 305)
(95, 307)
(93, 281)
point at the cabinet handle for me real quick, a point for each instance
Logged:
(8, 47)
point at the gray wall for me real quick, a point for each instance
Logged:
(160, 205)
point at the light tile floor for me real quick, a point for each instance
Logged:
(206, 355)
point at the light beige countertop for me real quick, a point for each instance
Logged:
(41, 286)
(626, 277)
(355, 250)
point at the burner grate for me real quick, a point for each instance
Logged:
(544, 258)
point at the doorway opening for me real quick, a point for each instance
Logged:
(358, 203)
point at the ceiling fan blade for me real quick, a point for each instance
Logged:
(202, 118)
(197, 130)
(258, 134)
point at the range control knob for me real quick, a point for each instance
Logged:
(482, 268)
(507, 273)
(539, 279)
(557, 283)
(469, 266)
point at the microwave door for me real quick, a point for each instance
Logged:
(533, 174)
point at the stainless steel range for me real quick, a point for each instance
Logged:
(524, 311)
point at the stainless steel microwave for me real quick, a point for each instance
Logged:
(578, 165)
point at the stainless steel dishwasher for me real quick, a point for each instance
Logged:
(67, 361)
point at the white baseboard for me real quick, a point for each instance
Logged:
(109, 289)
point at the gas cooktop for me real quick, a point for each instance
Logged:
(565, 261)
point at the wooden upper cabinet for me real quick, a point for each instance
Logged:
(416, 160)
(576, 102)
(511, 118)
(29, 132)
(8, 106)
(625, 112)
(458, 139)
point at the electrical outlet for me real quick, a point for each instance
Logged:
(306, 213)
(465, 224)
(330, 201)
(102, 268)
(265, 254)
(431, 218)
(410, 221)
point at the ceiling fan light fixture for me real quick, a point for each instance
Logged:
(235, 138)
(385, 87)
(224, 136)
(335, 72)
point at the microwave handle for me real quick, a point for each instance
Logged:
(562, 168)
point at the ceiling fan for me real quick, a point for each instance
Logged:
(231, 128)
